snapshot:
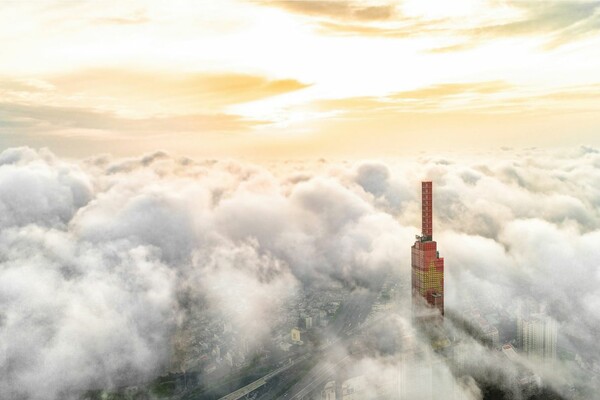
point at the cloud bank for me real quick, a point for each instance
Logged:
(101, 260)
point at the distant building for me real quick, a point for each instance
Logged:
(355, 389)
(427, 266)
(509, 351)
(538, 334)
(229, 359)
(323, 318)
(424, 378)
(525, 379)
(489, 333)
(308, 322)
(485, 331)
(328, 393)
(295, 335)
(461, 354)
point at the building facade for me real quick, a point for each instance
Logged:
(538, 334)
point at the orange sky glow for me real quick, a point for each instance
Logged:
(262, 78)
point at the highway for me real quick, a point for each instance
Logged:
(238, 394)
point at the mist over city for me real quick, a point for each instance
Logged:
(117, 271)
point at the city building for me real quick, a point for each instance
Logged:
(509, 351)
(328, 393)
(295, 336)
(490, 335)
(538, 335)
(424, 377)
(356, 388)
(427, 266)
(526, 380)
(487, 332)
(308, 322)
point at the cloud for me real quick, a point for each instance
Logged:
(450, 89)
(390, 192)
(344, 10)
(89, 122)
(135, 18)
(118, 102)
(397, 27)
(110, 268)
(557, 22)
(450, 115)
(350, 29)
(202, 91)
(244, 285)
(430, 98)
(79, 315)
(353, 18)
(79, 229)
(453, 48)
(551, 18)
(40, 189)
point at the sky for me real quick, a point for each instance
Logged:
(280, 79)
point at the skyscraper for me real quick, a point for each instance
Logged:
(537, 332)
(427, 266)
(537, 335)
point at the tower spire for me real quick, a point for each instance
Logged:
(426, 210)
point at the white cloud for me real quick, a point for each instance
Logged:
(96, 256)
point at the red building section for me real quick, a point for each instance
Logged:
(427, 266)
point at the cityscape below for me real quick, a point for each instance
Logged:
(322, 333)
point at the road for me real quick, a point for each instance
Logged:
(238, 394)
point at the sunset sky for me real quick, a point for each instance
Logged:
(182, 182)
(256, 78)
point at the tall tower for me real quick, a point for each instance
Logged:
(427, 266)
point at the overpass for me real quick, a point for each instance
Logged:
(251, 387)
